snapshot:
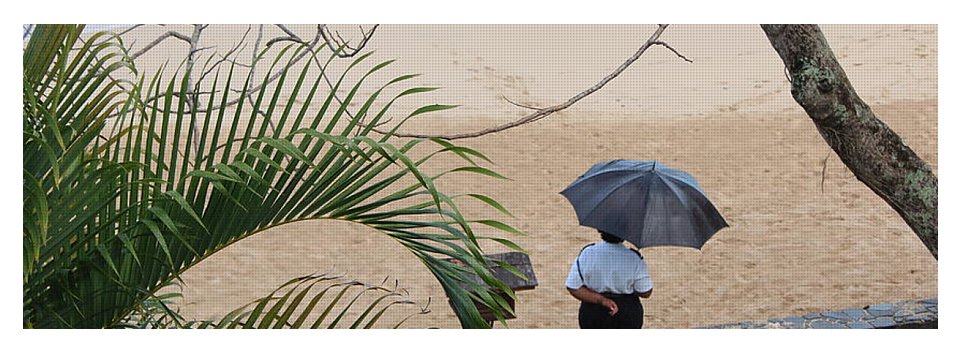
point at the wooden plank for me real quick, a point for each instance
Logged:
(522, 263)
(518, 260)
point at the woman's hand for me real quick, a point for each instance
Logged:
(587, 295)
(610, 304)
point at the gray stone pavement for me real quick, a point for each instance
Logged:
(888, 315)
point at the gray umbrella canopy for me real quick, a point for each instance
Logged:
(645, 203)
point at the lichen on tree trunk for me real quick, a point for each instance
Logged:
(870, 149)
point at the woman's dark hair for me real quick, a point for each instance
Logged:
(610, 238)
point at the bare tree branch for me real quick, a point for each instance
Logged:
(283, 38)
(256, 45)
(869, 148)
(291, 36)
(158, 40)
(192, 97)
(122, 33)
(519, 105)
(203, 48)
(672, 49)
(254, 59)
(226, 57)
(308, 48)
(289, 32)
(541, 113)
(326, 78)
(235, 62)
(111, 37)
(347, 51)
(191, 59)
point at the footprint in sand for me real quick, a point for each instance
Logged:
(504, 84)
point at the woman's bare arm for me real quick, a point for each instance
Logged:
(587, 295)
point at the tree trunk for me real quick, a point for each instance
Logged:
(873, 152)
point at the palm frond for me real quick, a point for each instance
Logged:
(342, 304)
(113, 215)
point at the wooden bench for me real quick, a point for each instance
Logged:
(518, 260)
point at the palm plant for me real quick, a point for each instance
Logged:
(291, 305)
(126, 186)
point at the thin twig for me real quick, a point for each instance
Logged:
(203, 48)
(544, 112)
(519, 105)
(308, 48)
(256, 45)
(289, 32)
(342, 40)
(283, 38)
(238, 63)
(823, 172)
(125, 31)
(672, 49)
(326, 78)
(225, 57)
(255, 58)
(158, 40)
(334, 45)
(112, 37)
(291, 36)
(193, 98)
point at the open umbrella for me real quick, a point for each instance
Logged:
(645, 203)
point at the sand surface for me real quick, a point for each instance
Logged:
(799, 242)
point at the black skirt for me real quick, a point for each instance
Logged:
(630, 315)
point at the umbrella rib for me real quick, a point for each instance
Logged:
(646, 199)
(669, 183)
(592, 175)
(639, 176)
(696, 210)
(684, 183)
(672, 181)
(692, 211)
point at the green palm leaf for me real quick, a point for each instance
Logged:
(114, 214)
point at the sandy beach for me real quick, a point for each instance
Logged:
(805, 235)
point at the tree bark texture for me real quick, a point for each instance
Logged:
(870, 149)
